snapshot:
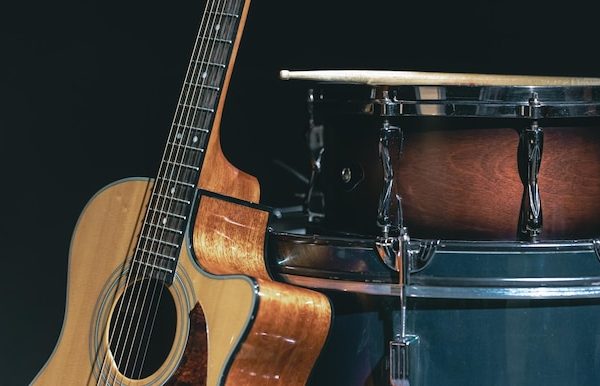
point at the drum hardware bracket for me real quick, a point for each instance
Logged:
(392, 245)
(597, 247)
(388, 135)
(402, 349)
(390, 107)
(533, 110)
(395, 252)
(316, 145)
(531, 149)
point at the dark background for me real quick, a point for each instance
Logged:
(88, 89)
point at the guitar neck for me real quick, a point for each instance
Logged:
(198, 107)
(202, 90)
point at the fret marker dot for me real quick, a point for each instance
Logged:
(218, 27)
(172, 190)
(164, 221)
(195, 139)
(179, 136)
(204, 75)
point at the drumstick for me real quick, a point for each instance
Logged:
(416, 78)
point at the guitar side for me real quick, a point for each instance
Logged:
(227, 328)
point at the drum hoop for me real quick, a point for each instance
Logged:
(460, 101)
(381, 282)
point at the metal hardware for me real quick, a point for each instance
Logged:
(316, 145)
(346, 175)
(389, 107)
(392, 245)
(464, 101)
(401, 351)
(454, 291)
(400, 348)
(533, 109)
(393, 251)
(387, 248)
(530, 159)
(388, 223)
(555, 270)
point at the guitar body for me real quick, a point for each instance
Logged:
(167, 280)
(230, 330)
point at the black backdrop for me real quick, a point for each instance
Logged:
(88, 89)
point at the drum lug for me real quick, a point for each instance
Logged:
(402, 364)
(388, 223)
(532, 144)
(392, 245)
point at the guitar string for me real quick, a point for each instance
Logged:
(177, 159)
(217, 29)
(181, 161)
(158, 232)
(139, 254)
(151, 245)
(145, 243)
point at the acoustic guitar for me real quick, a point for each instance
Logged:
(167, 278)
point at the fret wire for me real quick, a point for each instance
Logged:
(194, 139)
(187, 202)
(187, 147)
(193, 128)
(181, 217)
(179, 232)
(173, 209)
(160, 241)
(226, 14)
(187, 175)
(179, 182)
(153, 266)
(196, 168)
(172, 190)
(218, 40)
(212, 64)
(177, 190)
(203, 86)
(158, 254)
(199, 108)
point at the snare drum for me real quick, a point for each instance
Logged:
(492, 161)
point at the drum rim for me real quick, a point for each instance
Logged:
(523, 102)
(525, 288)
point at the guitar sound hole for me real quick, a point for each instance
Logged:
(142, 329)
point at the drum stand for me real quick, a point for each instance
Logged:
(393, 248)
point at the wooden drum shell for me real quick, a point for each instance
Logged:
(459, 177)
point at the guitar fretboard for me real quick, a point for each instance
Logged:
(170, 205)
